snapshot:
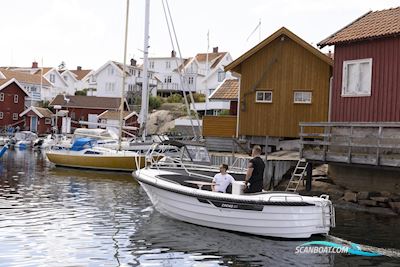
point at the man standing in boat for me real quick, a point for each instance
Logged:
(222, 180)
(255, 172)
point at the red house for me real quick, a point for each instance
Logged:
(366, 76)
(84, 108)
(12, 102)
(37, 120)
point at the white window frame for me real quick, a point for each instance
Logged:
(15, 99)
(151, 64)
(167, 64)
(264, 92)
(47, 121)
(191, 80)
(345, 78)
(15, 116)
(1, 97)
(52, 78)
(221, 75)
(302, 100)
(1, 115)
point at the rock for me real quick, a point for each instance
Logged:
(380, 199)
(350, 196)
(371, 203)
(395, 198)
(363, 195)
(395, 206)
(335, 193)
(374, 194)
(321, 186)
(386, 194)
(320, 170)
(383, 205)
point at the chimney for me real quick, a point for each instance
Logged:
(133, 62)
(173, 53)
(78, 68)
(215, 49)
(34, 65)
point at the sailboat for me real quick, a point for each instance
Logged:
(85, 152)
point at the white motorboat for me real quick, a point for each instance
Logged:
(180, 188)
(23, 139)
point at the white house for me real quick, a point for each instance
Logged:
(85, 80)
(70, 79)
(109, 80)
(60, 86)
(167, 71)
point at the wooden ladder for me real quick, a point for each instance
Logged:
(297, 175)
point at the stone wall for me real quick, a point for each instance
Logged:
(368, 178)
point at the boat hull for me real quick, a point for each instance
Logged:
(283, 220)
(112, 162)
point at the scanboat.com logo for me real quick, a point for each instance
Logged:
(325, 247)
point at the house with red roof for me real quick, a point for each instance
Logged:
(366, 73)
(37, 120)
(76, 108)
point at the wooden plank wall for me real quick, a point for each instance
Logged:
(282, 67)
(219, 126)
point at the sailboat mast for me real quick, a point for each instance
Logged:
(121, 107)
(144, 110)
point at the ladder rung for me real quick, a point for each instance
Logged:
(298, 174)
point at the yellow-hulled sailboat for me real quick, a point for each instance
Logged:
(85, 154)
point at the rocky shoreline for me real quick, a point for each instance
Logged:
(383, 203)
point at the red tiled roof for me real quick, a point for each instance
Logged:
(25, 77)
(90, 102)
(80, 74)
(228, 90)
(216, 57)
(372, 25)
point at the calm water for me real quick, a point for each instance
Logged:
(65, 217)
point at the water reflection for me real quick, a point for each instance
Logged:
(66, 217)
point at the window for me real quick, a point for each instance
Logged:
(191, 80)
(167, 65)
(110, 87)
(110, 71)
(264, 96)
(221, 75)
(33, 89)
(66, 78)
(131, 71)
(73, 115)
(15, 98)
(151, 65)
(52, 78)
(47, 121)
(1, 115)
(357, 76)
(15, 116)
(1, 96)
(138, 73)
(302, 97)
(168, 79)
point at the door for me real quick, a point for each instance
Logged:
(34, 121)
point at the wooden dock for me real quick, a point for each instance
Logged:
(375, 144)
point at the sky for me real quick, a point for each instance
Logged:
(88, 33)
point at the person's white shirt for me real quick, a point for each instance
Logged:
(222, 181)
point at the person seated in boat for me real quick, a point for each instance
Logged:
(255, 172)
(222, 180)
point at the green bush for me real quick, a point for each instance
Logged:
(224, 112)
(174, 98)
(155, 102)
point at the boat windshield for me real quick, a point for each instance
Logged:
(197, 154)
